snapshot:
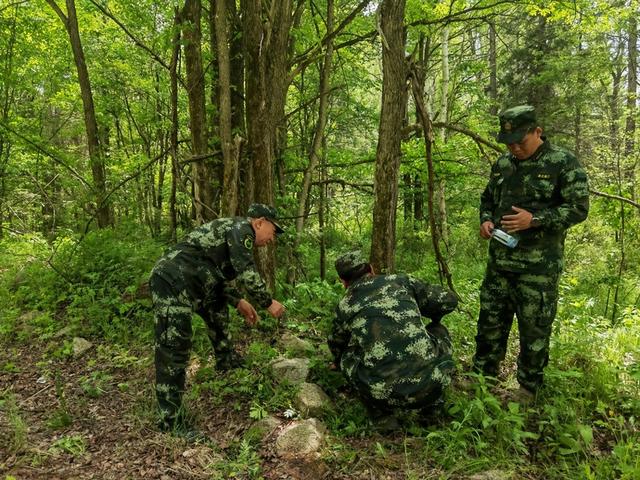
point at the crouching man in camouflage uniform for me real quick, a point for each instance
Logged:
(194, 276)
(536, 192)
(379, 342)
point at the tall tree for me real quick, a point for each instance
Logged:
(203, 191)
(632, 96)
(230, 160)
(96, 157)
(392, 117)
(266, 31)
(315, 153)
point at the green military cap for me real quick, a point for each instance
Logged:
(515, 123)
(259, 210)
(350, 262)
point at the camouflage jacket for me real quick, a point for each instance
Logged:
(211, 256)
(380, 342)
(552, 185)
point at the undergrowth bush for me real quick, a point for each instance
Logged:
(89, 284)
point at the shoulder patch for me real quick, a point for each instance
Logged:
(248, 242)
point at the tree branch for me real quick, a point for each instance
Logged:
(363, 187)
(418, 128)
(135, 39)
(305, 58)
(615, 197)
(60, 13)
(14, 4)
(42, 150)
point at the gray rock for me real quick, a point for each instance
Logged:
(296, 345)
(301, 439)
(311, 399)
(80, 346)
(294, 370)
(63, 332)
(491, 475)
(28, 317)
(266, 426)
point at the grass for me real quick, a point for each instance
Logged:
(584, 426)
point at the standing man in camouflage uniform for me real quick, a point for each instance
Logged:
(379, 342)
(536, 192)
(194, 276)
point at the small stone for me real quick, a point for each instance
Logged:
(311, 399)
(293, 370)
(491, 475)
(296, 345)
(80, 346)
(301, 439)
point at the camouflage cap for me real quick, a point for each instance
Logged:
(515, 123)
(349, 262)
(259, 210)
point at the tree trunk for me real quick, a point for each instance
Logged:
(444, 114)
(266, 40)
(425, 121)
(70, 21)
(318, 135)
(202, 176)
(493, 70)
(173, 75)
(632, 84)
(392, 116)
(230, 177)
(323, 210)
(6, 97)
(632, 98)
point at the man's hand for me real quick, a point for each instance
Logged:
(485, 229)
(521, 220)
(276, 309)
(249, 313)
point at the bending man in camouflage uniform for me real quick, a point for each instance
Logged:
(536, 192)
(194, 276)
(380, 343)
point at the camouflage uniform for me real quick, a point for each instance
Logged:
(383, 348)
(552, 185)
(194, 276)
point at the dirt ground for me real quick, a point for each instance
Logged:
(110, 407)
(109, 411)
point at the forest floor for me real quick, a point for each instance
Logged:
(92, 417)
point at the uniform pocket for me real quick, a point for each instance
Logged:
(548, 308)
(541, 190)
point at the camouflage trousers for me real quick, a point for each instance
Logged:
(533, 299)
(173, 310)
(431, 395)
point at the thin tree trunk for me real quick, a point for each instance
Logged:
(202, 177)
(318, 136)
(428, 140)
(493, 70)
(173, 74)
(632, 98)
(392, 116)
(6, 96)
(230, 177)
(444, 113)
(70, 21)
(323, 210)
(632, 84)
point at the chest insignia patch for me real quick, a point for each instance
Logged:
(248, 242)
